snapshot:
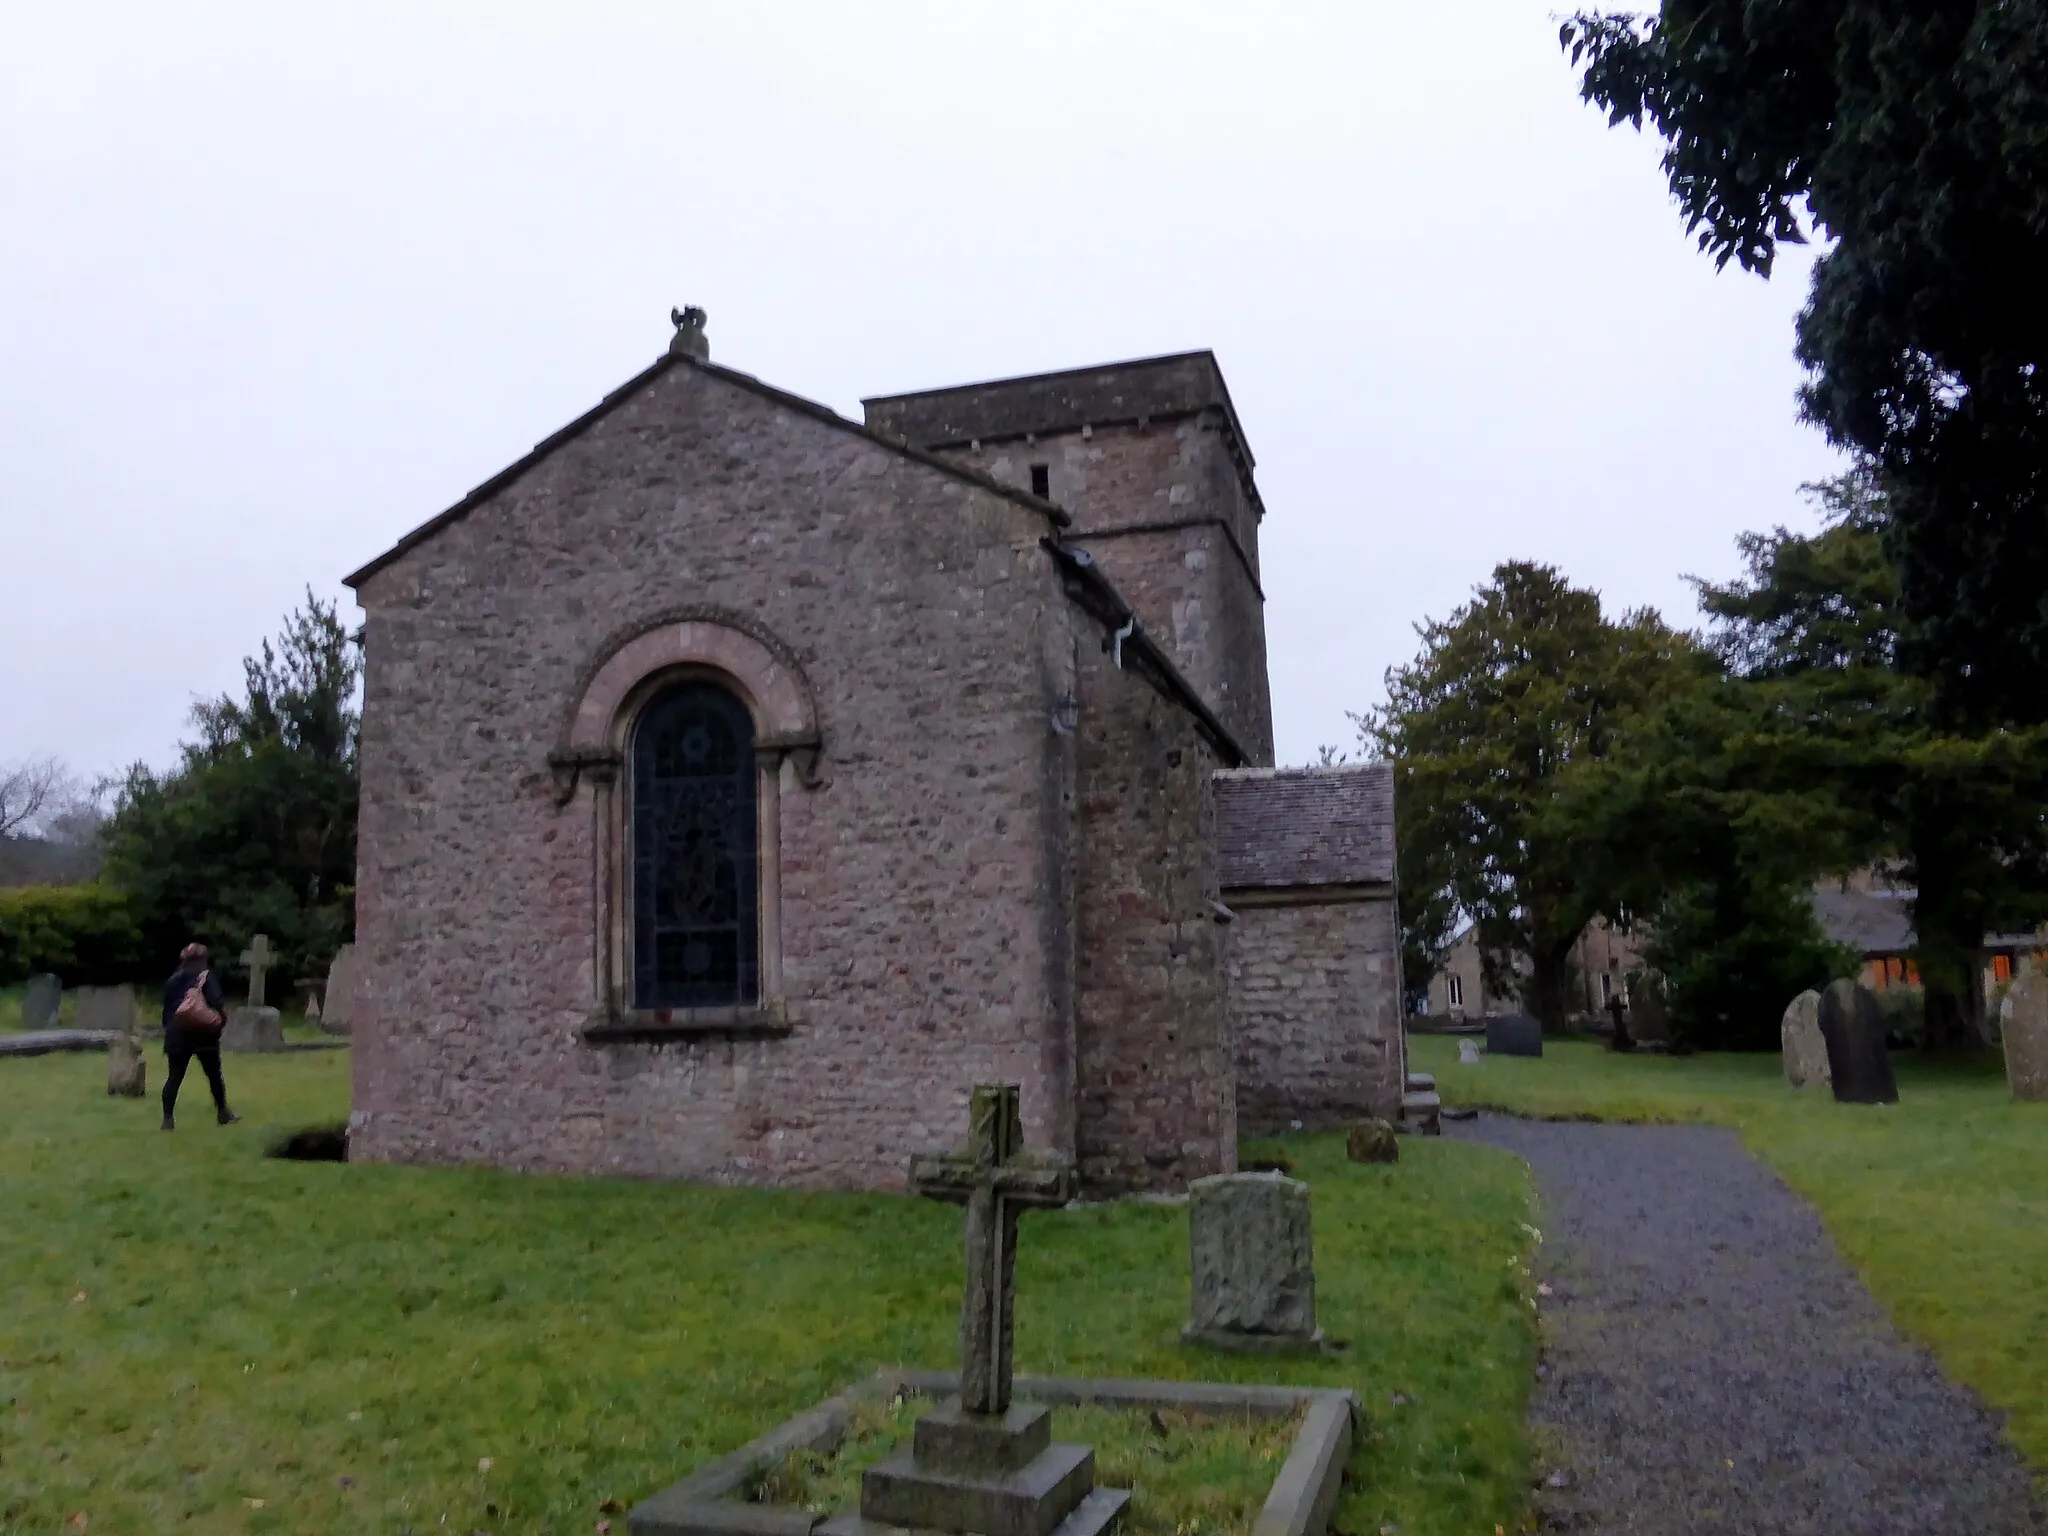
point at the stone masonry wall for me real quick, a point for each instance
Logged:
(1155, 1091)
(925, 944)
(1315, 1013)
(1192, 574)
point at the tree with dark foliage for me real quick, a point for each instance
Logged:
(1818, 619)
(1510, 696)
(1913, 134)
(255, 830)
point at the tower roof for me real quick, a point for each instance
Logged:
(1142, 389)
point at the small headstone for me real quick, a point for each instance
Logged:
(106, 1008)
(1514, 1034)
(1372, 1141)
(1422, 1113)
(1853, 1027)
(258, 957)
(1252, 1261)
(2025, 1017)
(1650, 1021)
(251, 1029)
(40, 1000)
(338, 1003)
(1468, 1053)
(1806, 1052)
(127, 1072)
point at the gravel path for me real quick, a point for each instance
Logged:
(1711, 1364)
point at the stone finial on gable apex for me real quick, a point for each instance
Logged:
(689, 337)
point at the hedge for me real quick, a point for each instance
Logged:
(88, 934)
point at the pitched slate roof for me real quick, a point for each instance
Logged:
(1869, 922)
(1305, 826)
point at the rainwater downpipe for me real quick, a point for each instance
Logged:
(1117, 641)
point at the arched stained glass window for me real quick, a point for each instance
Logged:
(695, 928)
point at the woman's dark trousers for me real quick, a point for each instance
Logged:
(180, 1057)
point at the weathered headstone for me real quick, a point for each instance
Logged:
(252, 1029)
(338, 1005)
(257, 958)
(1468, 1053)
(980, 1462)
(1806, 1052)
(40, 999)
(1372, 1141)
(1251, 1257)
(127, 1072)
(1514, 1034)
(1853, 1026)
(106, 1008)
(1649, 1019)
(2026, 1036)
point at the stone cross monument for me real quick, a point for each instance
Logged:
(993, 1180)
(981, 1463)
(257, 957)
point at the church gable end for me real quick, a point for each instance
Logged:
(826, 670)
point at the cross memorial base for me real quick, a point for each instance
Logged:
(991, 1474)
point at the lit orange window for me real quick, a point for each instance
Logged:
(2001, 967)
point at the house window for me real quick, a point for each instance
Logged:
(1455, 988)
(2001, 967)
(693, 821)
(1041, 481)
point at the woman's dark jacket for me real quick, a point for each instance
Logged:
(176, 1036)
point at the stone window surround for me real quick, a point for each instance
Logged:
(631, 667)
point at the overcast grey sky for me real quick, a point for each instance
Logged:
(279, 282)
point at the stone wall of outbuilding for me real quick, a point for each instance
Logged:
(1315, 1009)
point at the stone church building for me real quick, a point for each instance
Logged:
(742, 783)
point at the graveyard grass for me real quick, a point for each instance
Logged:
(201, 1338)
(1940, 1201)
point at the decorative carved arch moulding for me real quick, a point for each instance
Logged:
(744, 652)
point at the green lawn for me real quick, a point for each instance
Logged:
(189, 1328)
(1940, 1201)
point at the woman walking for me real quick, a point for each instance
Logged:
(193, 1015)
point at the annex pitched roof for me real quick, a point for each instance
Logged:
(1280, 827)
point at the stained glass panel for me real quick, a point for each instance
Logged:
(695, 932)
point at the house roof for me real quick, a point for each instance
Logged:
(1877, 923)
(1869, 922)
(1305, 826)
(640, 381)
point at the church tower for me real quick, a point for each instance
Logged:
(1149, 460)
